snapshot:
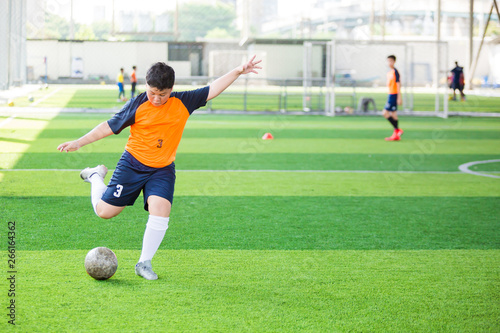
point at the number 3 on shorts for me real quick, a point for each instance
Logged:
(119, 189)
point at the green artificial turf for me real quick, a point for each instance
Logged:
(259, 99)
(391, 238)
(316, 291)
(267, 223)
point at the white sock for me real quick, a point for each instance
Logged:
(155, 231)
(97, 189)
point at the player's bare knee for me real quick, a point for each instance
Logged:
(159, 206)
(104, 213)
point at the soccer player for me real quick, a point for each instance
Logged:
(394, 99)
(458, 81)
(119, 82)
(156, 118)
(133, 81)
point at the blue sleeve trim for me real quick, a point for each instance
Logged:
(397, 74)
(126, 116)
(193, 99)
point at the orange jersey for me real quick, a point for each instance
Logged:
(392, 81)
(155, 132)
(133, 78)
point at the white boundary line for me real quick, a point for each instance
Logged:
(6, 121)
(465, 168)
(45, 97)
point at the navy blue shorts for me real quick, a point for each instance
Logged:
(457, 85)
(392, 103)
(131, 177)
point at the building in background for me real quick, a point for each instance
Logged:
(280, 26)
(374, 19)
(252, 15)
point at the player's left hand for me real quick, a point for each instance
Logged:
(251, 66)
(69, 146)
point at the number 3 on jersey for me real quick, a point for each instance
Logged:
(160, 143)
(119, 189)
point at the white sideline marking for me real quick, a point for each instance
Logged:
(270, 171)
(45, 97)
(465, 168)
(6, 121)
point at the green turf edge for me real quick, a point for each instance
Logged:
(262, 291)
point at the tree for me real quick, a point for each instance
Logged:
(219, 33)
(84, 32)
(196, 20)
(102, 29)
(55, 27)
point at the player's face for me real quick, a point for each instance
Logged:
(390, 62)
(158, 97)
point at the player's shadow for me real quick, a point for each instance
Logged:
(122, 282)
(15, 140)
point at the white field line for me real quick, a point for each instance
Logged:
(7, 121)
(465, 168)
(45, 97)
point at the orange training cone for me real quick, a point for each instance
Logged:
(268, 136)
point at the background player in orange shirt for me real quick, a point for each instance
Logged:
(394, 99)
(133, 81)
(156, 118)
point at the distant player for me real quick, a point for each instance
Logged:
(394, 99)
(156, 118)
(458, 81)
(133, 81)
(121, 89)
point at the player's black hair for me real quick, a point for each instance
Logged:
(133, 67)
(456, 63)
(160, 76)
(393, 57)
(121, 69)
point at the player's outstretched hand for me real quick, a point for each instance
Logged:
(69, 146)
(251, 66)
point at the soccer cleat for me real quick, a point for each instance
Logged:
(399, 132)
(145, 270)
(393, 137)
(86, 173)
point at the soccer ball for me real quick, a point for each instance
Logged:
(101, 263)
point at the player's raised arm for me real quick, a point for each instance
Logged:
(99, 132)
(221, 84)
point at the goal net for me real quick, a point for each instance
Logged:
(354, 76)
